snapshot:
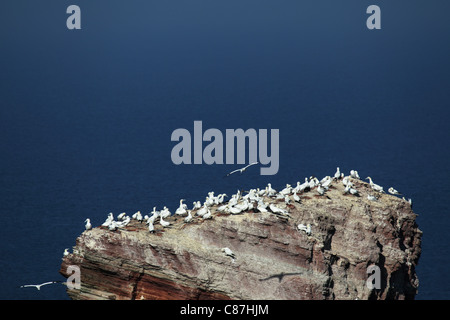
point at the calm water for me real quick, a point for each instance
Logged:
(86, 116)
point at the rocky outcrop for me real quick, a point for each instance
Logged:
(273, 259)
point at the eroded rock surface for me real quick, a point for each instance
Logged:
(273, 259)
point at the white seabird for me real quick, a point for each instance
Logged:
(242, 169)
(163, 223)
(296, 198)
(374, 186)
(38, 286)
(189, 217)
(337, 175)
(372, 197)
(207, 215)
(354, 174)
(151, 228)
(108, 220)
(393, 191)
(201, 212)
(121, 216)
(307, 228)
(197, 205)
(286, 190)
(112, 226)
(320, 190)
(228, 252)
(88, 224)
(165, 212)
(181, 210)
(66, 252)
(287, 200)
(275, 209)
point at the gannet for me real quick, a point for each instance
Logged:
(151, 228)
(296, 198)
(38, 286)
(181, 210)
(202, 211)
(287, 200)
(228, 252)
(337, 175)
(270, 191)
(207, 215)
(313, 181)
(137, 216)
(393, 191)
(375, 186)
(163, 223)
(354, 174)
(242, 169)
(88, 224)
(165, 212)
(286, 190)
(409, 200)
(275, 209)
(320, 190)
(326, 183)
(124, 222)
(112, 226)
(307, 228)
(189, 217)
(372, 197)
(108, 220)
(66, 252)
(262, 206)
(234, 210)
(196, 205)
(121, 216)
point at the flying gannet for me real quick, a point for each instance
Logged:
(242, 169)
(38, 286)
(88, 224)
(393, 191)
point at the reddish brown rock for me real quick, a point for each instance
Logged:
(273, 259)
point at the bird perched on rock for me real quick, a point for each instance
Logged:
(374, 186)
(393, 191)
(306, 229)
(88, 224)
(228, 252)
(372, 197)
(181, 210)
(189, 217)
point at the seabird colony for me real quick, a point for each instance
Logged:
(258, 200)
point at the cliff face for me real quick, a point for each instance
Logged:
(273, 259)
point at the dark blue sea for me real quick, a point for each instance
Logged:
(86, 116)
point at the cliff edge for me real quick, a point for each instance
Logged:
(273, 258)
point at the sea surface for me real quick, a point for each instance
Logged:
(86, 116)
